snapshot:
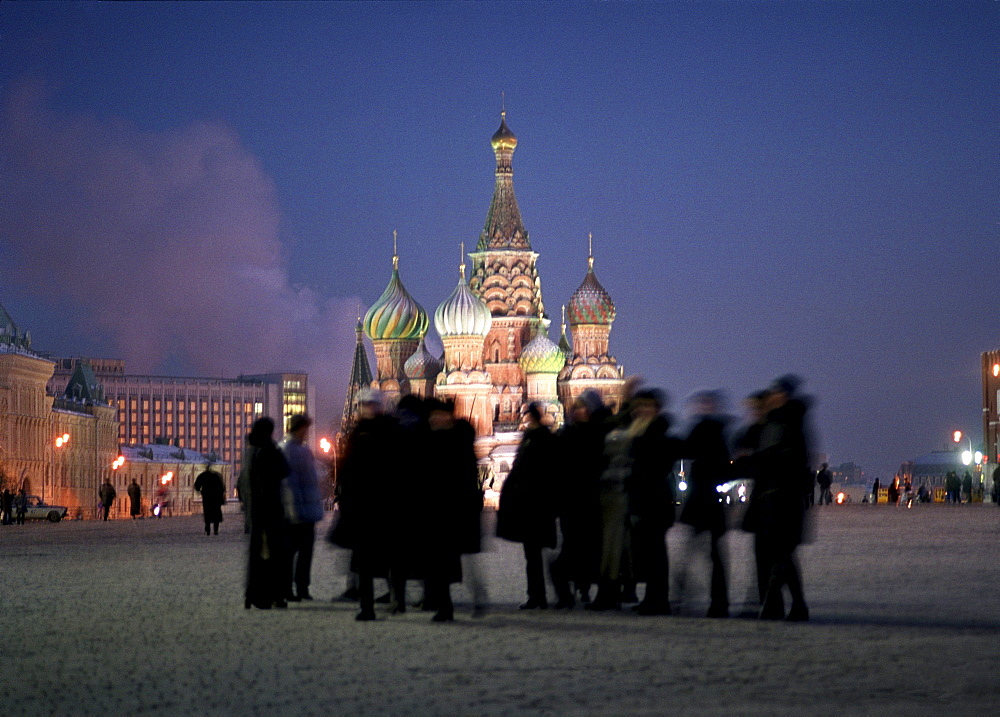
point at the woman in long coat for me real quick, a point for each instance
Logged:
(265, 468)
(703, 511)
(527, 511)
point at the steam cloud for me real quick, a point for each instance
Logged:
(167, 242)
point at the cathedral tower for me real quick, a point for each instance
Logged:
(395, 324)
(505, 278)
(591, 313)
(361, 377)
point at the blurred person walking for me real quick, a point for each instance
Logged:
(578, 499)
(265, 468)
(213, 496)
(824, 479)
(134, 499)
(6, 506)
(372, 463)
(649, 486)
(107, 495)
(776, 514)
(703, 510)
(303, 508)
(527, 512)
(20, 506)
(453, 503)
(967, 487)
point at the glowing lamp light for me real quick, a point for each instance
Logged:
(166, 477)
(682, 485)
(966, 457)
(118, 463)
(325, 445)
(841, 498)
(956, 436)
(996, 369)
(978, 456)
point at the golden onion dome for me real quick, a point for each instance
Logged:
(542, 356)
(503, 137)
(396, 315)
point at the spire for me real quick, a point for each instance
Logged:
(504, 228)
(395, 254)
(590, 251)
(361, 377)
(563, 341)
(461, 261)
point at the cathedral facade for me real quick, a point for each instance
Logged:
(498, 356)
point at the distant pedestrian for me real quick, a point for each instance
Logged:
(824, 479)
(953, 487)
(967, 487)
(21, 506)
(266, 469)
(527, 513)
(703, 511)
(303, 507)
(107, 495)
(876, 487)
(135, 499)
(894, 491)
(6, 506)
(213, 496)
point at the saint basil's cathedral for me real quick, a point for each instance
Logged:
(498, 356)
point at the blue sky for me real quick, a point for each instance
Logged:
(771, 186)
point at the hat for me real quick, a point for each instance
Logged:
(652, 394)
(789, 383)
(591, 400)
(298, 421)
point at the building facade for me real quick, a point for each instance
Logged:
(498, 356)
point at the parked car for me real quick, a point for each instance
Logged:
(38, 509)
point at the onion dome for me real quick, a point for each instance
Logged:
(503, 137)
(395, 315)
(542, 356)
(421, 365)
(591, 303)
(463, 313)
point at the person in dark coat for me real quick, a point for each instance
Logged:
(824, 479)
(651, 497)
(581, 462)
(776, 512)
(967, 487)
(876, 487)
(527, 511)
(134, 499)
(453, 503)
(371, 466)
(213, 496)
(303, 508)
(21, 506)
(265, 469)
(107, 495)
(703, 510)
(6, 506)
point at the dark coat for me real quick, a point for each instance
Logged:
(780, 467)
(107, 494)
(527, 511)
(650, 484)
(369, 492)
(265, 470)
(213, 494)
(453, 500)
(135, 499)
(709, 454)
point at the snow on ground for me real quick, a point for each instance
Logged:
(147, 616)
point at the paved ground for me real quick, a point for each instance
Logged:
(126, 617)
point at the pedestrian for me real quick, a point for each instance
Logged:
(775, 513)
(967, 487)
(651, 498)
(578, 499)
(876, 487)
(894, 491)
(21, 506)
(453, 503)
(134, 499)
(107, 495)
(6, 506)
(265, 469)
(824, 479)
(372, 462)
(527, 512)
(303, 507)
(703, 510)
(953, 486)
(212, 487)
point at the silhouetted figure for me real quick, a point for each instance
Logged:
(527, 511)
(953, 487)
(303, 507)
(824, 479)
(107, 495)
(372, 463)
(876, 487)
(454, 503)
(134, 499)
(776, 513)
(703, 510)
(213, 496)
(578, 501)
(265, 469)
(649, 486)
(894, 491)
(20, 506)
(967, 487)
(6, 506)
(923, 495)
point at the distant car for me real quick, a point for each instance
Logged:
(39, 510)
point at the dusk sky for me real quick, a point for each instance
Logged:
(772, 187)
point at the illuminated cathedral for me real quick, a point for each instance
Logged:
(498, 356)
